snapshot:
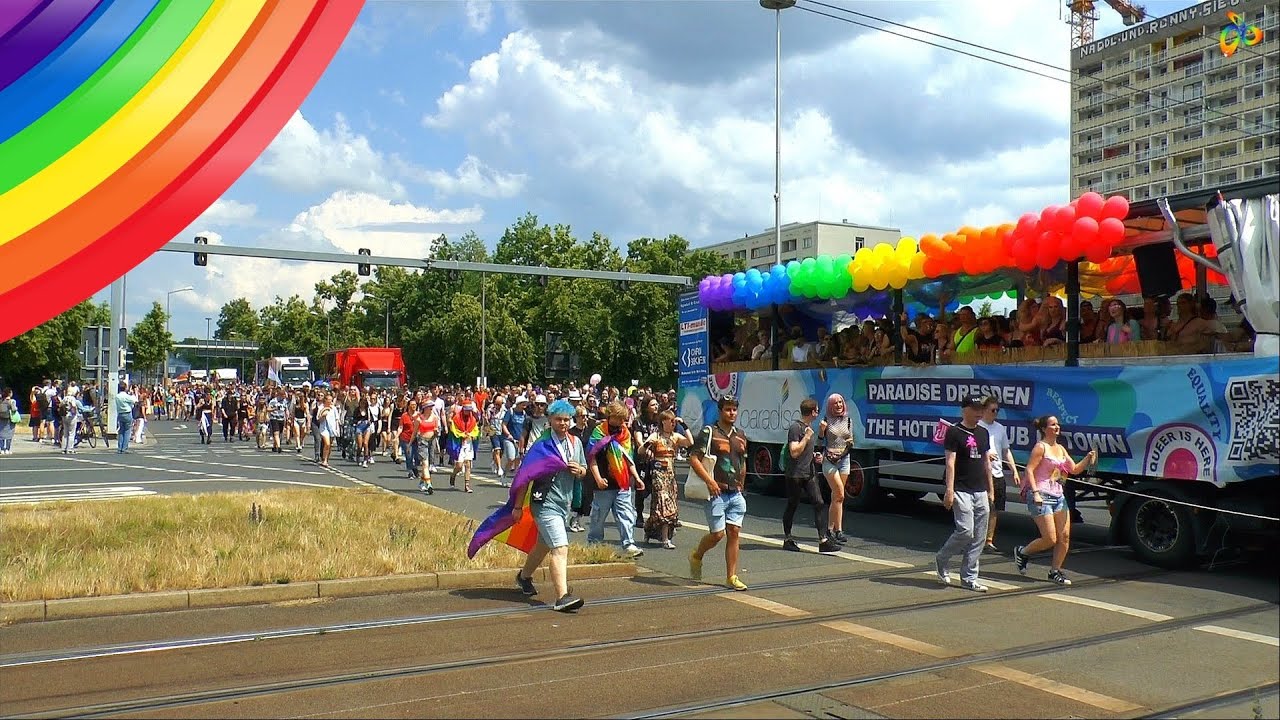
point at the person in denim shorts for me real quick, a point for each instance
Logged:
(1049, 466)
(727, 507)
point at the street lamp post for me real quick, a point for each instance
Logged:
(167, 298)
(777, 6)
(484, 327)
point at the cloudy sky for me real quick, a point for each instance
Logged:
(636, 118)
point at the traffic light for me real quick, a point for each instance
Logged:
(363, 268)
(542, 281)
(201, 259)
(624, 285)
(454, 275)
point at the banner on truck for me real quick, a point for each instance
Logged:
(694, 349)
(1217, 422)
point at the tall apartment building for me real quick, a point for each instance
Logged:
(804, 240)
(1159, 109)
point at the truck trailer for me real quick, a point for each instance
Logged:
(1189, 448)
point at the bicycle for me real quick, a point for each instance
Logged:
(86, 431)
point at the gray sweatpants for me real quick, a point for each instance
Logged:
(970, 511)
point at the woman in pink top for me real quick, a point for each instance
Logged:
(1049, 465)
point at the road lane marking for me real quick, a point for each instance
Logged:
(112, 493)
(234, 465)
(57, 470)
(1122, 609)
(1071, 692)
(888, 638)
(758, 602)
(1239, 634)
(993, 584)
(805, 548)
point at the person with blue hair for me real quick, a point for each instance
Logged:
(561, 407)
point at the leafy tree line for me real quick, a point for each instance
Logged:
(436, 318)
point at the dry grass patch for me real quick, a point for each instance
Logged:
(62, 550)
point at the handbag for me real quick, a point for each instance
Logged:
(695, 488)
(14, 417)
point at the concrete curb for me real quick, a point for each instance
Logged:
(167, 601)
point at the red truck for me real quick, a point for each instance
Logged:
(366, 367)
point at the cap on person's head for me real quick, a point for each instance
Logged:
(972, 401)
(575, 395)
(522, 400)
(540, 399)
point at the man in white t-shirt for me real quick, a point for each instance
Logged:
(1001, 459)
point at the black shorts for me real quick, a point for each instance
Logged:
(277, 426)
(1002, 493)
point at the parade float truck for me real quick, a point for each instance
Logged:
(366, 368)
(1189, 448)
(287, 371)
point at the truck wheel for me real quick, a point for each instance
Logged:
(1160, 532)
(862, 492)
(760, 469)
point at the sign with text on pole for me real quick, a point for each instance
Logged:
(694, 350)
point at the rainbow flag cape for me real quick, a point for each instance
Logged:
(618, 451)
(461, 431)
(540, 462)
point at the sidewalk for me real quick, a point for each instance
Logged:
(22, 444)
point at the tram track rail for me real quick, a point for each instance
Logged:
(995, 656)
(240, 692)
(1214, 702)
(13, 660)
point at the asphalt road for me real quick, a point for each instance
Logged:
(867, 633)
(171, 461)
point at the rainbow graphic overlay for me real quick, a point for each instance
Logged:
(125, 119)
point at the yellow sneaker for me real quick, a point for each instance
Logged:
(735, 583)
(695, 566)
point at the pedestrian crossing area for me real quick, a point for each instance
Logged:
(77, 493)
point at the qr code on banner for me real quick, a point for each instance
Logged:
(1254, 403)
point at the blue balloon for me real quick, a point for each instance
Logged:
(779, 271)
(739, 277)
(753, 274)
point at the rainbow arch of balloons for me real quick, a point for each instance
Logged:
(1089, 227)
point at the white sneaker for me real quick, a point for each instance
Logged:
(632, 551)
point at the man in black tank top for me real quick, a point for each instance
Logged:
(920, 346)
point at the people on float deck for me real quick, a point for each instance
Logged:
(968, 495)
(1049, 466)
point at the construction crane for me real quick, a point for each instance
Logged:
(1084, 17)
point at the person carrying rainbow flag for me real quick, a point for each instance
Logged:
(464, 434)
(536, 514)
(613, 469)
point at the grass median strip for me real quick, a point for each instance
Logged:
(146, 544)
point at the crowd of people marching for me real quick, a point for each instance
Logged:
(447, 429)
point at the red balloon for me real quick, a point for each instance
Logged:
(1116, 206)
(1097, 252)
(1046, 217)
(932, 267)
(1006, 241)
(972, 264)
(1071, 248)
(1111, 230)
(1089, 205)
(1047, 250)
(1086, 231)
(1064, 219)
(1027, 223)
(1026, 264)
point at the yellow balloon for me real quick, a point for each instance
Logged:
(907, 247)
(915, 271)
(883, 250)
(862, 255)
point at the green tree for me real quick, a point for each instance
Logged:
(455, 342)
(237, 317)
(51, 349)
(292, 327)
(150, 341)
(984, 310)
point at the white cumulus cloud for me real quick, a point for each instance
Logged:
(302, 158)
